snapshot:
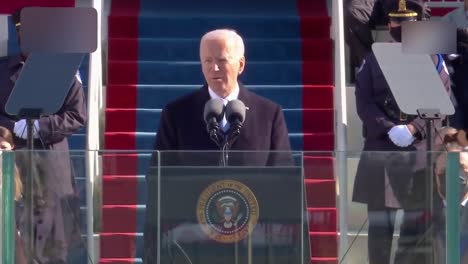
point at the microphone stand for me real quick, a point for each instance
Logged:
(233, 134)
(30, 115)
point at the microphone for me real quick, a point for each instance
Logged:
(235, 115)
(213, 114)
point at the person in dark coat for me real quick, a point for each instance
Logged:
(391, 170)
(459, 62)
(362, 16)
(56, 206)
(182, 126)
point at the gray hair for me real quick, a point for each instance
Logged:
(230, 36)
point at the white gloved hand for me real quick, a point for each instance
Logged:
(20, 129)
(36, 129)
(401, 136)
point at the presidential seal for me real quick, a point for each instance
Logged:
(227, 211)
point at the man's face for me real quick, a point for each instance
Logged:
(220, 65)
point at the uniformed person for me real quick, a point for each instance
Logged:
(388, 179)
(362, 16)
(56, 205)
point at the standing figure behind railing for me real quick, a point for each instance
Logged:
(362, 16)
(391, 172)
(56, 204)
(459, 62)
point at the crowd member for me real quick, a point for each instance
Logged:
(459, 62)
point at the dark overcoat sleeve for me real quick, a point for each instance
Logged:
(375, 122)
(70, 118)
(166, 138)
(279, 141)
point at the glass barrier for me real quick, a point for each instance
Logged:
(398, 210)
(44, 220)
(249, 207)
(232, 207)
(8, 235)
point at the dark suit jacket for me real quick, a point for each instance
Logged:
(182, 128)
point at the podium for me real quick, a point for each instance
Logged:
(231, 215)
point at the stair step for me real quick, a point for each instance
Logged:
(319, 166)
(77, 141)
(126, 164)
(322, 219)
(121, 245)
(320, 193)
(185, 72)
(127, 190)
(318, 142)
(257, 49)
(157, 96)
(324, 245)
(188, 26)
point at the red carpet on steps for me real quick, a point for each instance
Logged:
(118, 241)
(320, 182)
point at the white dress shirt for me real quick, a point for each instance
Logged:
(232, 96)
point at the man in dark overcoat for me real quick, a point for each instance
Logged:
(182, 127)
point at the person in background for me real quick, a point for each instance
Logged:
(391, 171)
(56, 203)
(362, 16)
(459, 63)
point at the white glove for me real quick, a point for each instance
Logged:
(36, 129)
(21, 131)
(401, 136)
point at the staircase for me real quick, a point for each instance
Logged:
(153, 59)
